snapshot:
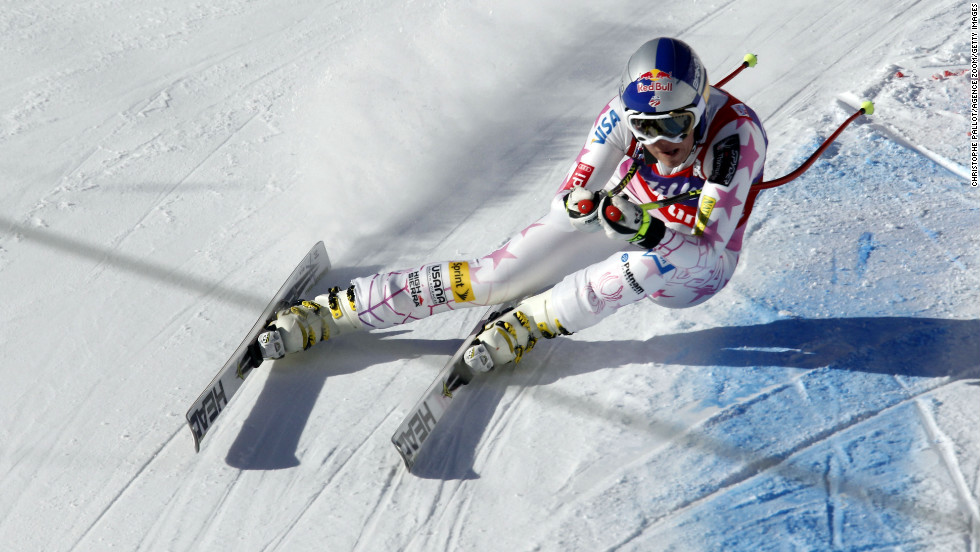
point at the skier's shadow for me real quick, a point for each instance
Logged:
(912, 347)
(917, 347)
(270, 434)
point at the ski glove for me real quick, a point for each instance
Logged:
(582, 207)
(625, 220)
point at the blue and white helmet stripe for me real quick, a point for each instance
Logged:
(664, 75)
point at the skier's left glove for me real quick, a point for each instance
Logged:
(624, 220)
(582, 207)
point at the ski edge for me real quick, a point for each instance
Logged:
(204, 412)
(413, 432)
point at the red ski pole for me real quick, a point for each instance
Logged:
(867, 108)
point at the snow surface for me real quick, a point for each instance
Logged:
(164, 166)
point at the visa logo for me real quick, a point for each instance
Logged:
(605, 127)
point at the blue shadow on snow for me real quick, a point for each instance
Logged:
(905, 346)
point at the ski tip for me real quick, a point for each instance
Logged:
(197, 439)
(868, 107)
(750, 60)
(407, 456)
(321, 250)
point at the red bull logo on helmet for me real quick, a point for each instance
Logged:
(655, 74)
(660, 81)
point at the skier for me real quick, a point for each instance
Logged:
(666, 132)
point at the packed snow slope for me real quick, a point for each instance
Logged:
(165, 165)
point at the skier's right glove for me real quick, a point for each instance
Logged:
(624, 220)
(582, 207)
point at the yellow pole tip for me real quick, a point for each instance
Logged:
(751, 59)
(868, 106)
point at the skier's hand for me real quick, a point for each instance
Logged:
(624, 220)
(582, 207)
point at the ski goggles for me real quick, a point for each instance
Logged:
(653, 127)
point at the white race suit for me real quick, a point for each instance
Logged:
(592, 275)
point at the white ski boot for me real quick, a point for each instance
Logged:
(514, 333)
(301, 326)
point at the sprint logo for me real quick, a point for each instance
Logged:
(459, 274)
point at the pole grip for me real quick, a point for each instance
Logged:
(749, 61)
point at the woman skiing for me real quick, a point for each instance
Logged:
(599, 247)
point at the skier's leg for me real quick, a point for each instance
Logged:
(536, 258)
(584, 298)
(589, 295)
(301, 326)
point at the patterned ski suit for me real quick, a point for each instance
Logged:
(591, 274)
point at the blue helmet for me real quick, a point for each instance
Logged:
(665, 88)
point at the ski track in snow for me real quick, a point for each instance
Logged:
(944, 450)
(125, 489)
(759, 468)
(777, 463)
(899, 138)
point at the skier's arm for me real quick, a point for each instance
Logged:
(606, 146)
(607, 143)
(733, 162)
